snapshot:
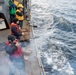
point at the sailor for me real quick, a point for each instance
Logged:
(12, 10)
(19, 14)
(16, 55)
(15, 29)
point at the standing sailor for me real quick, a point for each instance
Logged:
(19, 14)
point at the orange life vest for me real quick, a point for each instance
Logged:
(17, 27)
(17, 53)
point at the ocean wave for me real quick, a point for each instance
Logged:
(55, 35)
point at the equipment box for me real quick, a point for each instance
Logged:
(2, 24)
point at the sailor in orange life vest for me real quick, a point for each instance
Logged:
(15, 29)
(17, 56)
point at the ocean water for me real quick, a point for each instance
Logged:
(55, 35)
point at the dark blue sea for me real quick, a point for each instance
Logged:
(55, 35)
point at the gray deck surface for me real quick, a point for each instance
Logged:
(31, 65)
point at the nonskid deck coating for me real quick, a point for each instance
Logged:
(31, 65)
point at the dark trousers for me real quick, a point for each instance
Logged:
(21, 24)
(18, 37)
(11, 18)
(18, 64)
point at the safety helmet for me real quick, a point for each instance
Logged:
(20, 6)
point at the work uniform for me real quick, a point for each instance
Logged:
(20, 17)
(17, 58)
(15, 30)
(12, 10)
